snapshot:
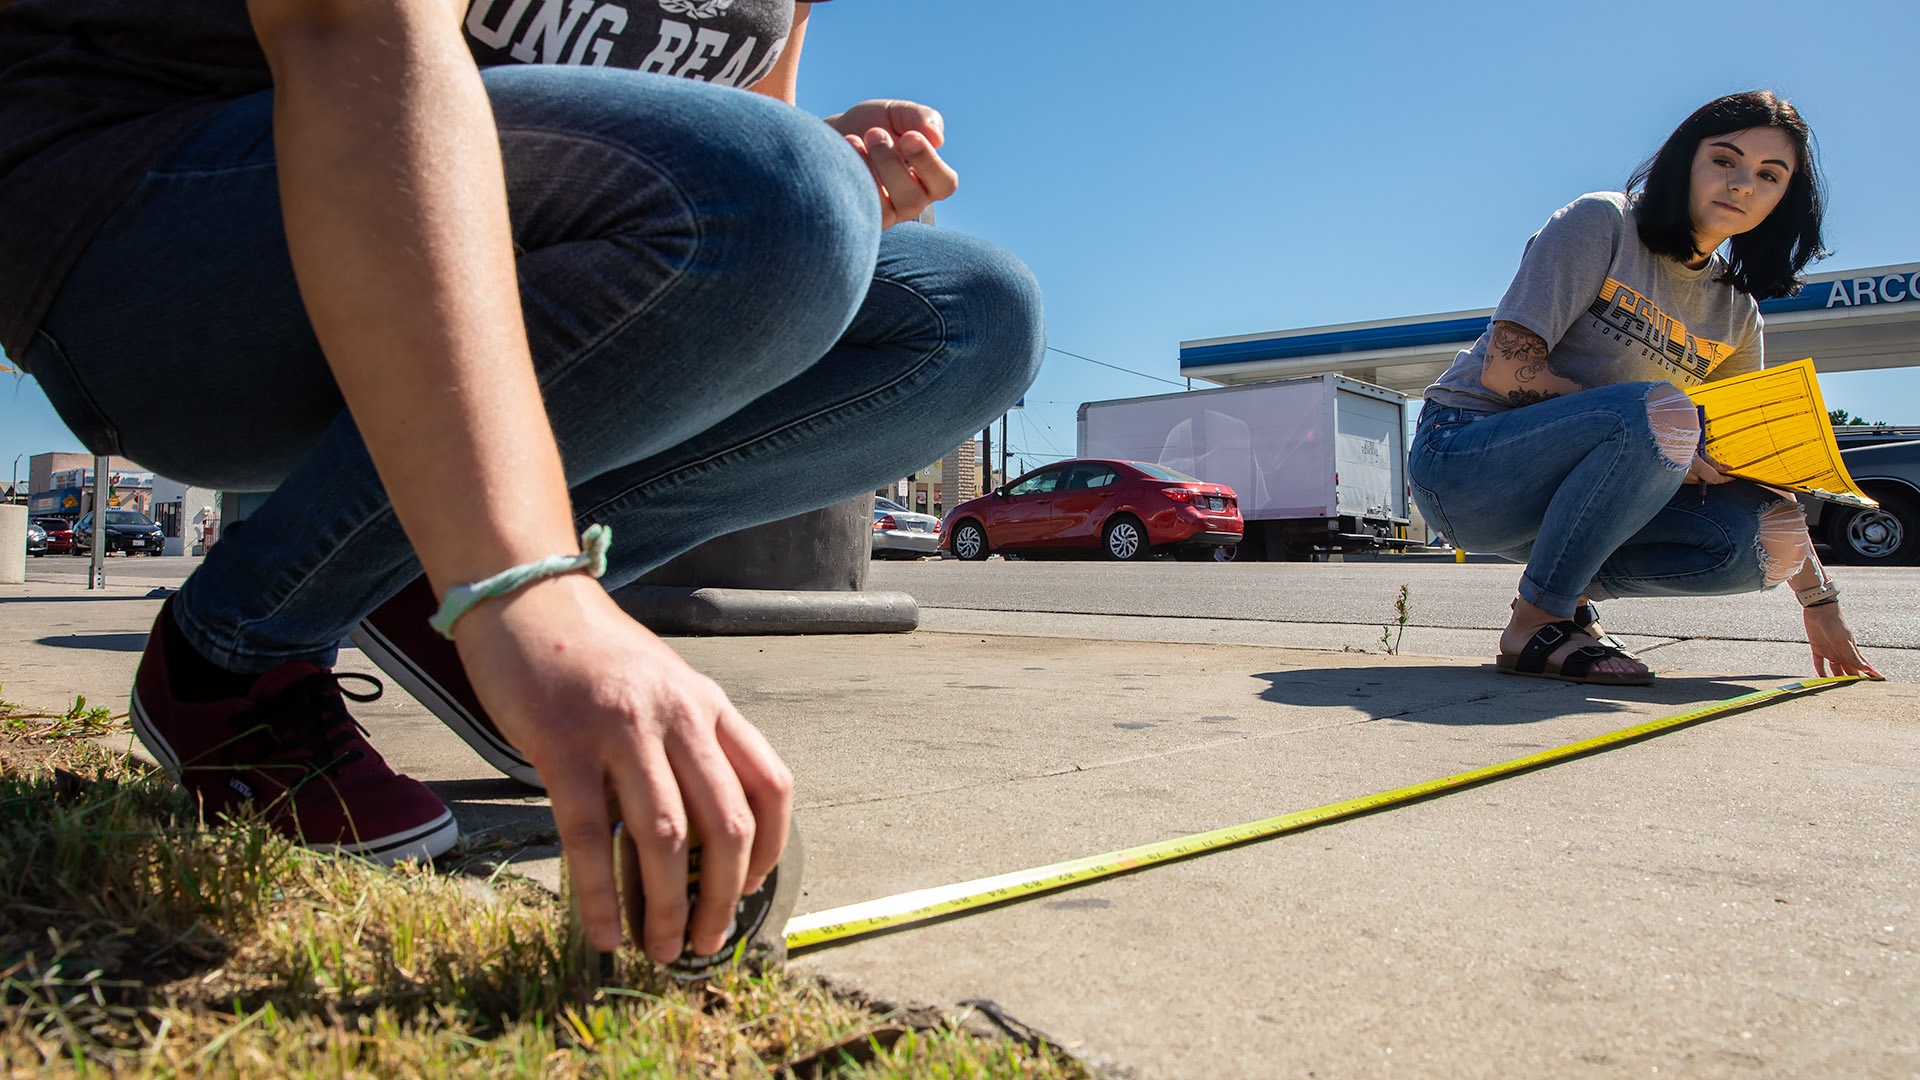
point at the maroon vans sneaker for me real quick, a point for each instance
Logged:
(290, 749)
(396, 637)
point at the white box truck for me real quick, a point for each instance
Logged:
(1319, 463)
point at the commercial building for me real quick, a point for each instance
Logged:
(950, 481)
(61, 485)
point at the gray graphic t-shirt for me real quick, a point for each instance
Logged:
(729, 42)
(1611, 311)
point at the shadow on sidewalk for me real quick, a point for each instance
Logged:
(96, 642)
(499, 815)
(81, 598)
(1456, 696)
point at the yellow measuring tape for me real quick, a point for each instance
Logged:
(925, 905)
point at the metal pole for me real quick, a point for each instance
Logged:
(986, 459)
(1004, 474)
(13, 493)
(97, 575)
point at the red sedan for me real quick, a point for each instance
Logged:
(1120, 509)
(59, 534)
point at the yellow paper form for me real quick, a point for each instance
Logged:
(1771, 427)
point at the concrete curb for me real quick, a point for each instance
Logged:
(674, 609)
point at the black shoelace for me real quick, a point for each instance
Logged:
(307, 725)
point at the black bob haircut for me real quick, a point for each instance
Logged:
(1765, 261)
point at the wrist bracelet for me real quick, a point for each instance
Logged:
(461, 598)
(1826, 591)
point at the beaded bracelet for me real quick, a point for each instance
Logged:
(461, 598)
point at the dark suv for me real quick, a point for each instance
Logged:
(1885, 462)
(129, 532)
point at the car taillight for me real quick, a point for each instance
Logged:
(1181, 495)
(884, 522)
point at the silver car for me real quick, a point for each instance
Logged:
(899, 533)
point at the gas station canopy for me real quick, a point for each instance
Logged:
(1849, 320)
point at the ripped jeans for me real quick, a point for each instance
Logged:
(1588, 490)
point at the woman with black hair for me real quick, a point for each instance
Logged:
(1564, 438)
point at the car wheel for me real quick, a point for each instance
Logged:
(1225, 552)
(1124, 539)
(970, 541)
(1887, 535)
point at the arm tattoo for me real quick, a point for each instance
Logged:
(1528, 353)
(1521, 345)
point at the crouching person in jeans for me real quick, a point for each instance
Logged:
(1563, 438)
(454, 302)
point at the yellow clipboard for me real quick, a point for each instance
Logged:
(1771, 427)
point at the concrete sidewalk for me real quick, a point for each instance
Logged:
(1738, 898)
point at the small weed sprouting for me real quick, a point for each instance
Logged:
(1390, 635)
(79, 721)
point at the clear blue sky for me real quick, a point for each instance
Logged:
(1175, 171)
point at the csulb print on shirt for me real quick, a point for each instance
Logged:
(1611, 311)
(727, 42)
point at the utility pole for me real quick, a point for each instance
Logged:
(97, 573)
(986, 459)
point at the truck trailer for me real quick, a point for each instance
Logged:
(1319, 463)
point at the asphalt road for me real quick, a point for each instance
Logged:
(1294, 599)
(1882, 603)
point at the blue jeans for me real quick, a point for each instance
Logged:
(722, 333)
(1578, 488)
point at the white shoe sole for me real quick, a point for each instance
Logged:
(424, 843)
(492, 749)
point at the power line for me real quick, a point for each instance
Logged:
(1115, 367)
(1028, 437)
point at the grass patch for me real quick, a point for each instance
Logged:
(134, 942)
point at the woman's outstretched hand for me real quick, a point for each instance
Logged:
(1705, 470)
(1834, 650)
(900, 141)
(615, 722)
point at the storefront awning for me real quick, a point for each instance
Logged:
(1848, 320)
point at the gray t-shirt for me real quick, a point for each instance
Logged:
(728, 42)
(1611, 311)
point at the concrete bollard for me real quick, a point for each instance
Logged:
(800, 575)
(13, 544)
